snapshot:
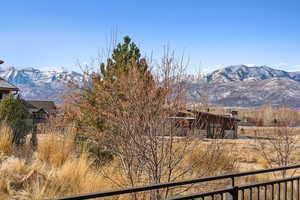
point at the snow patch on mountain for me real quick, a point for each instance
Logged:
(241, 85)
(235, 85)
(39, 85)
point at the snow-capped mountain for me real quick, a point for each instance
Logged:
(35, 84)
(243, 73)
(236, 85)
(240, 85)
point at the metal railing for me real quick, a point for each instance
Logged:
(279, 188)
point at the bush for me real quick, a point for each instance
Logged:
(14, 113)
(101, 156)
(95, 149)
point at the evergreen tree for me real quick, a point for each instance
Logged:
(13, 112)
(92, 103)
(124, 56)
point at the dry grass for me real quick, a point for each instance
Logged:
(256, 131)
(6, 146)
(56, 148)
(76, 175)
(57, 169)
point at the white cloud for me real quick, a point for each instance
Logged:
(294, 68)
(206, 70)
(297, 66)
(283, 64)
(287, 67)
(250, 65)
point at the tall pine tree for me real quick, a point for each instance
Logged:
(124, 57)
(92, 104)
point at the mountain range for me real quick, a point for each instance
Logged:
(236, 85)
(240, 85)
(35, 84)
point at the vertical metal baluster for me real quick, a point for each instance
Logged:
(298, 194)
(222, 196)
(285, 190)
(258, 193)
(242, 196)
(250, 193)
(272, 193)
(278, 191)
(292, 189)
(266, 187)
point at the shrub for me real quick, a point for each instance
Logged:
(94, 149)
(13, 112)
(101, 156)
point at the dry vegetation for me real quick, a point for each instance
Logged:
(265, 115)
(60, 166)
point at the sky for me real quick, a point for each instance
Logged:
(55, 34)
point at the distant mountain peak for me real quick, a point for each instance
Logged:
(38, 84)
(241, 72)
(241, 85)
(234, 85)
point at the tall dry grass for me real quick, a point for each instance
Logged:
(75, 176)
(57, 169)
(56, 148)
(6, 146)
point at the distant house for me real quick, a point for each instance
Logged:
(206, 125)
(6, 88)
(41, 110)
(48, 106)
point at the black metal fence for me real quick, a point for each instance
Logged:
(285, 188)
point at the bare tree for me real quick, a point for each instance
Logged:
(283, 143)
(137, 106)
(146, 140)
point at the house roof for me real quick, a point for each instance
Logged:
(4, 85)
(31, 108)
(219, 116)
(48, 106)
(192, 115)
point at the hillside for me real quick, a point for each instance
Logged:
(239, 85)
(39, 85)
(236, 85)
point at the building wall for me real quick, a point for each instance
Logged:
(3, 93)
(206, 125)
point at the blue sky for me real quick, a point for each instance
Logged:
(55, 34)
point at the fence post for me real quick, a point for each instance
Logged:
(233, 194)
(235, 191)
(34, 139)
